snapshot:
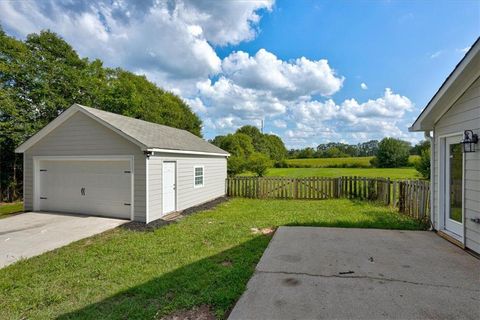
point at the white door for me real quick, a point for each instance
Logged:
(453, 205)
(100, 188)
(168, 186)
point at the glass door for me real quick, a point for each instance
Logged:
(454, 185)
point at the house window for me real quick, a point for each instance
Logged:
(198, 178)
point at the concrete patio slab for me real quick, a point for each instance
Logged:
(335, 273)
(33, 233)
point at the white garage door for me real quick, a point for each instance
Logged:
(87, 187)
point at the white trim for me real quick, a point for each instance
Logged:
(36, 174)
(442, 186)
(64, 116)
(203, 177)
(187, 152)
(147, 191)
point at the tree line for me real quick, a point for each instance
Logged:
(42, 76)
(342, 150)
(251, 150)
(254, 151)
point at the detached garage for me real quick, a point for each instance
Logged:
(93, 162)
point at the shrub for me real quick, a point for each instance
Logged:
(281, 164)
(423, 164)
(374, 162)
(258, 163)
(393, 153)
(235, 165)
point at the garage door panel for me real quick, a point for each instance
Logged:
(86, 187)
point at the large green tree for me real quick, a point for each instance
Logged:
(43, 75)
(392, 153)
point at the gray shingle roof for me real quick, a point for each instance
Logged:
(153, 135)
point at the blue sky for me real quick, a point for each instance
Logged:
(299, 65)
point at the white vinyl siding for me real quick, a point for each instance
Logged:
(154, 188)
(463, 115)
(214, 175)
(82, 136)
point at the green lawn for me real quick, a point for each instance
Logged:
(206, 258)
(338, 162)
(392, 173)
(7, 209)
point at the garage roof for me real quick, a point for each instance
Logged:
(149, 136)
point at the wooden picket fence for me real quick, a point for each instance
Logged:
(411, 197)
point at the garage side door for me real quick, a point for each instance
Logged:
(86, 187)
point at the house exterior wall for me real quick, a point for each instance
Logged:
(215, 173)
(463, 115)
(82, 136)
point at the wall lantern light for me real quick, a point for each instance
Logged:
(469, 141)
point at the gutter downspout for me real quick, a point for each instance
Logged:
(432, 176)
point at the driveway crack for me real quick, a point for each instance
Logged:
(349, 276)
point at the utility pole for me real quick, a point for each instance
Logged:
(262, 124)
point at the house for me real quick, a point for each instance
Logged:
(451, 120)
(93, 162)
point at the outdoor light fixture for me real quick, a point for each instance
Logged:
(469, 141)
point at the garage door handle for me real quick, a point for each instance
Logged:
(43, 198)
(126, 204)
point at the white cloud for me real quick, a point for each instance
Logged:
(281, 124)
(172, 43)
(464, 50)
(364, 86)
(391, 105)
(227, 22)
(169, 39)
(296, 78)
(225, 98)
(436, 54)
(328, 121)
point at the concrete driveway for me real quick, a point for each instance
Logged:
(333, 273)
(29, 234)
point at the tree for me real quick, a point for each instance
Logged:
(273, 147)
(254, 133)
(235, 165)
(237, 144)
(306, 153)
(334, 152)
(42, 76)
(258, 163)
(419, 147)
(423, 165)
(392, 153)
(268, 144)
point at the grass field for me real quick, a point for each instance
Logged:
(7, 209)
(204, 259)
(392, 173)
(358, 162)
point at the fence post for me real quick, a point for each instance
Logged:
(295, 186)
(388, 191)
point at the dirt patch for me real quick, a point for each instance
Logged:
(202, 312)
(227, 263)
(264, 231)
(140, 226)
(205, 206)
